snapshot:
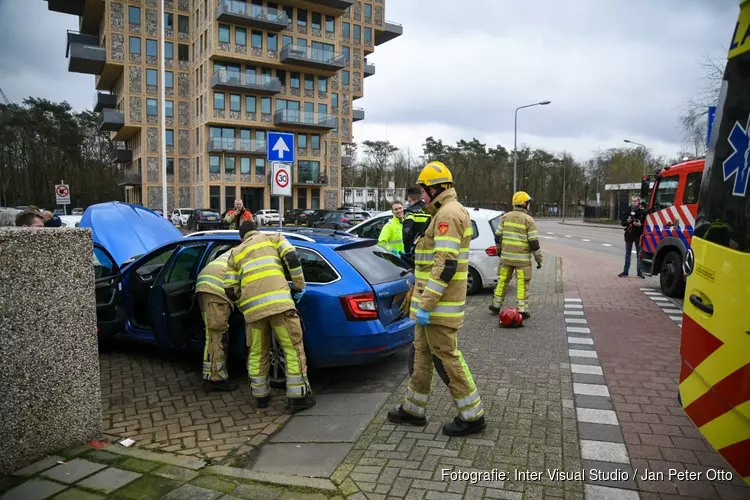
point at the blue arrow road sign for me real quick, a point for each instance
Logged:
(280, 147)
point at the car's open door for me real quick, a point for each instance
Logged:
(110, 309)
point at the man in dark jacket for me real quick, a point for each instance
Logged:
(415, 222)
(633, 224)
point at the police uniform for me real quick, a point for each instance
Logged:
(414, 226)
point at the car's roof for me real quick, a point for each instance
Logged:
(327, 237)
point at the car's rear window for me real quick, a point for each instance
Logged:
(376, 264)
(495, 222)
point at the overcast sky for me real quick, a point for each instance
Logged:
(613, 69)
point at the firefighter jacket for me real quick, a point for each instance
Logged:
(415, 224)
(259, 263)
(516, 239)
(391, 237)
(214, 278)
(233, 215)
(442, 262)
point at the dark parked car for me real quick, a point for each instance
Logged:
(303, 217)
(204, 218)
(315, 216)
(290, 216)
(335, 219)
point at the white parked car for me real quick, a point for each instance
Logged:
(483, 259)
(266, 217)
(180, 216)
(71, 220)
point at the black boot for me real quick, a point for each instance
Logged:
(221, 385)
(263, 402)
(493, 309)
(461, 427)
(399, 416)
(299, 404)
(525, 315)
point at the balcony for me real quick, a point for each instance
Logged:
(122, 155)
(334, 4)
(129, 178)
(312, 58)
(358, 114)
(346, 161)
(369, 69)
(313, 120)
(231, 11)
(236, 81)
(391, 31)
(230, 145)
(309, 175)
(111, 120)
(104, 101)
(73, 7)
(86, 56)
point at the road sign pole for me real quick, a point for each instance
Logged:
(281, 201)
(65, 207)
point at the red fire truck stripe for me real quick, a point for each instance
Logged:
(737, 455)
(731, 391)
(685, 371)
(697, 342)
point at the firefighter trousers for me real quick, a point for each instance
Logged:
(215, 313)
(436, 347)
(523, 286)
(287, 328)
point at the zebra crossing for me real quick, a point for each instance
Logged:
(666, 305)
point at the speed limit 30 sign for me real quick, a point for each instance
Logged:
(281, 179)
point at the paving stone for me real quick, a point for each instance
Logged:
(588, 379)
(305, 459)
(39, 466)
(215, 483)
(586, 369)
(138, 465)
(257, 491)
(73, 471)
(600, 432)
(35, 489)
(294, 495)
(324, 429)
(610, 474)
(76, 494)
(604, 451)
(147, 488)
(109, 479)
(190, 492)
(596, 492)
(177, 473)
(591, 390)
(103, 457)
(595, 416)
(602, 403)
(347, 404)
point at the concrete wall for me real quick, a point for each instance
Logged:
(50, 396)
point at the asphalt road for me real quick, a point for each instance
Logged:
(598, 239)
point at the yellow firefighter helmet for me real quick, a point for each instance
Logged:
(434, 174)
(520, 198)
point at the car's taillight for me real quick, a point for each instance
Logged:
(491, 251)
(200, 217)
(345, 220)
(359, 307)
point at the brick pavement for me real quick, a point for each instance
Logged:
(638, 347)
(526, 386)
(161, 404)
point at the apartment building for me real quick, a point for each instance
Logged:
(363, 196)
(234, 71)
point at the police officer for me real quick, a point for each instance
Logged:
(516, 240)
(391, 234)
(441, 260)
(269, 306)
(216, 308)
(416, 221)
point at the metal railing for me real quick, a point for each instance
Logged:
(234, 145)
(322, 56)
(252, 11)
(241, 79)
(294, 116)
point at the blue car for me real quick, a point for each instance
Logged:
(145, 288)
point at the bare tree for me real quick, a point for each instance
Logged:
(694, 118)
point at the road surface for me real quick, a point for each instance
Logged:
(597, 239)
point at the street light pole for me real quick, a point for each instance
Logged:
(163, 113)
(644, 147)
(515, 141)
(563, 200)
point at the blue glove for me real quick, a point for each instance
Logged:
(298, 294)
(395, 252)
(423, 317)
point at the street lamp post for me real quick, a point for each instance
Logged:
(163, 103)
(641, 145)
(515, 142)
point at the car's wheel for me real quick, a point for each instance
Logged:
(671, 278)
(473, 282)
(277, 369)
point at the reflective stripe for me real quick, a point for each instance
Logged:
(417, 397)
(265, 299)
(468, 400)
(449, 241)
(515, 225)
(515, 236)
(296, 272)
(440, 180)
(395, 242)
(499, 230)
(435, 287)
(263, 274)
(259, 386)
(241, 255)
(210, 280)
(469, 231)
(448, 310)
(473, 414)
(423, 275)
(284, 247)
(260, 262)
(533, 235)
(295, 379)
(412, 409)
(463, 256)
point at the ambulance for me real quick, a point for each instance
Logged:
(714, 382)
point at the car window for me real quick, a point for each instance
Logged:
(474, 230)
(372, 228)
(218, 250)
(314, 267)
(104, 266)
(692, 188)
(185, 264)
(375, 264)
(494, 223)
(666, 192)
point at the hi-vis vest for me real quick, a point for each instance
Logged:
(517, 230)
(214, 278)
(391, 236)
(258, 263)
(441, 262)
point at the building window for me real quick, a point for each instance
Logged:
(286, 40)
(183, 24)
(135, 46)
(330, 24)
(289, 11)
(302, 198)
(281, 75)
(152, 48)
(235, 102)
(345, 77)
(245, 166)
(152, 106)
(322, 84)
(294, 81)
(315, 141)
(302, 18)
(273, 41)
(223, 33)
(134, 15)
(345, 27)
(169, 79)
(151, 77)
(357, 31)
(240, 36)
(214, 165)
(229, 165)
(346, 53)
(170, 166)
(168, 51)
(250, 104)
(302, 141)
(265, 105)
(215, 196)
(315, 199)
(309, 82)
(257, 39)
(219, 101)
(169, 109)
(301, 43)
(183, 52)
(169, 137)
(230, 194)
(168, 21)
(368, 36)
(335, 101)
(316, 21)
(368, 11)
(260, 166)
(322, 110)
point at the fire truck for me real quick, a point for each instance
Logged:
(670, 219)
(714, 381)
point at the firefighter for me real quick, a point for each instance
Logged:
(438, 303)
(269, 306)
(516, 240)
(416, 221)
(390, 236)
(240, 214)
(216, 307)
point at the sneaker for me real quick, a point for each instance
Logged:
(493, 309)
(399, 416)
(263, 402)
(461, 427)
(622, 275)
(221, 385)
(299, 404)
